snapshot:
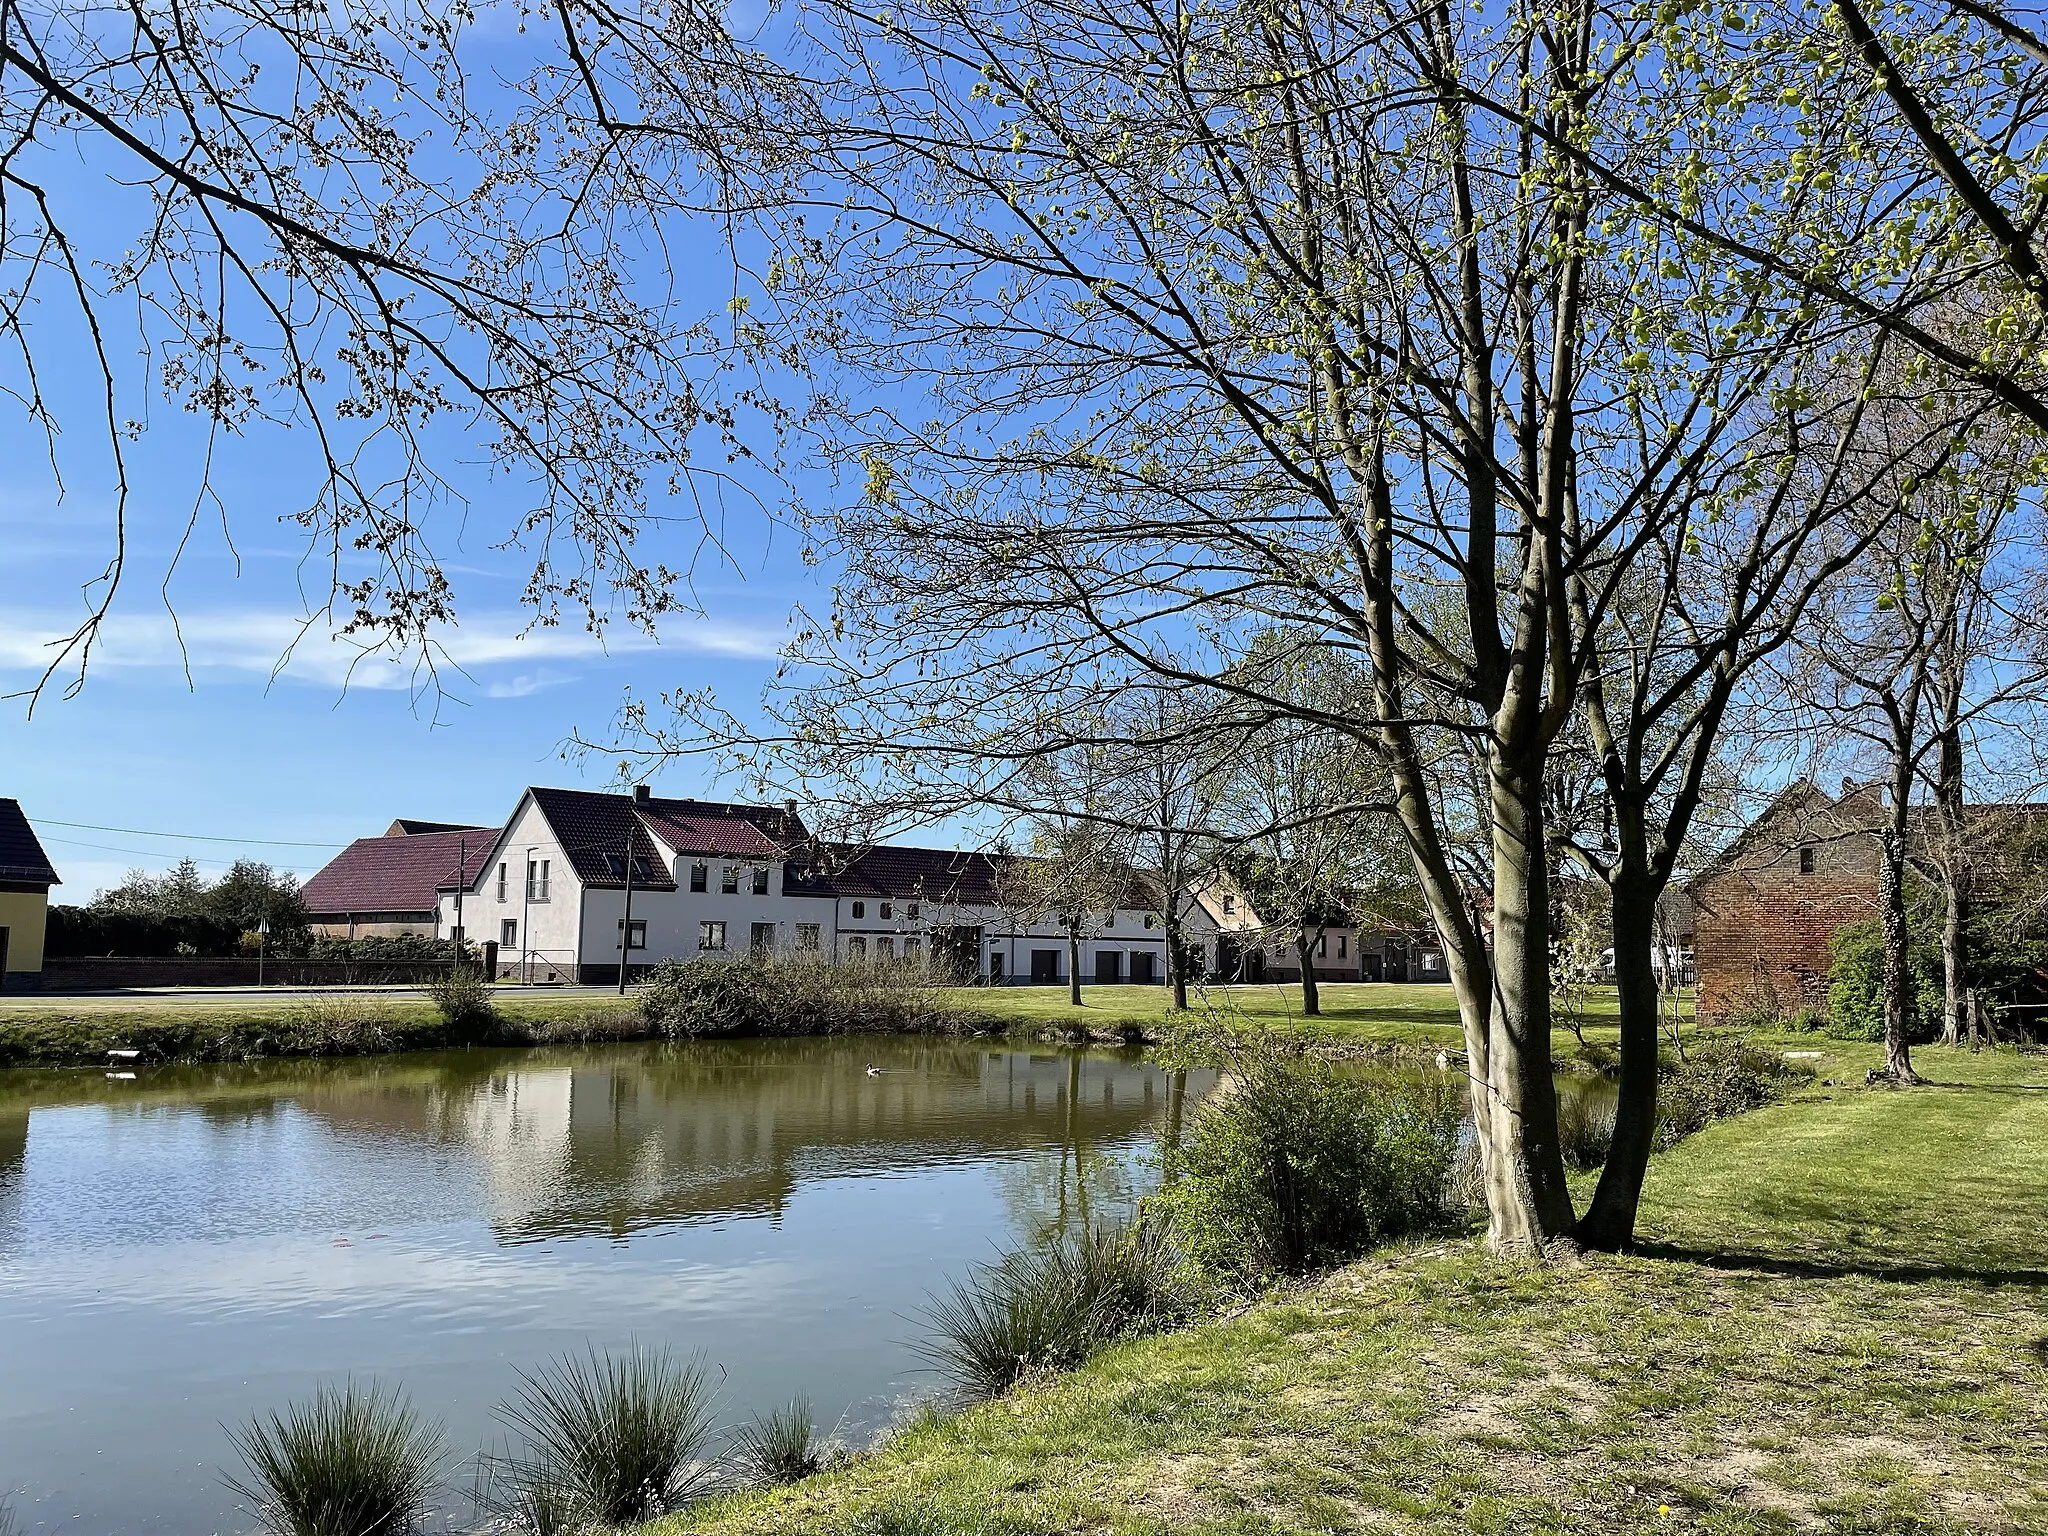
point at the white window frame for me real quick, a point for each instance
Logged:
(711, 935)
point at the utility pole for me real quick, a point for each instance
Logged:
(626, 922)
(262, 935)
(525, 909)
(461, 880)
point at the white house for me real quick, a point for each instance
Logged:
(726, 880)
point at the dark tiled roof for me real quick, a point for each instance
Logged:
(395, 874)
(21, 856)
(931, 874)
(593, 827)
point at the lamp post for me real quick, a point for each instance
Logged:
(262, 933)
(626, 922)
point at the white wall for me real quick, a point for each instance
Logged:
(551, 930)
(674, 918)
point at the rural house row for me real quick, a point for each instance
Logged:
(549, 891)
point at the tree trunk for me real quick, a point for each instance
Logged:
(1176, 964)
(1610, 1222)
(1311, 996)
(1074, 964)
(1955, 881)
(1515, 1108)
(1898, 975)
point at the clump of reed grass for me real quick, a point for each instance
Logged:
(779, 1447)
(1050, 1306)
(1585, 1129)
(354, 1462)
(609, 1440)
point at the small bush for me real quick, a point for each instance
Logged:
(1856, 984)
(328, 1024)
(692, 999)
(610, 1440)
(1718, 1078)
(779, 1447)
(1585, 1128)
(1049, 1307)
(463, 997)
(1295, 1167)
(352, 1463)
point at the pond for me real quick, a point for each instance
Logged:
(185, 1248)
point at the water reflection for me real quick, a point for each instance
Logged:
(179, 1250)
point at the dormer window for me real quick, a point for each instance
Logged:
(860, 909)
(1230, 906)
(1806, 859)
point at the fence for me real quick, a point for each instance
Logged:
(103, 974)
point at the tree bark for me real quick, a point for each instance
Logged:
(1176, 963)
(1898, 975)
(1311, 995)
(1515, 1108)
(1955, 880)
(1074, 964)
(1610, 1221)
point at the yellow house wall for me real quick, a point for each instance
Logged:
(23, 914)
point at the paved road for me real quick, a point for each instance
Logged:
(245, 997)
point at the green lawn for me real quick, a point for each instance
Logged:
(1361, 1011)
(1840, 1324)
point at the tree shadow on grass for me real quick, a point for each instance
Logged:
(1874, 1269)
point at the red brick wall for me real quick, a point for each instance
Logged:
(1762, 936)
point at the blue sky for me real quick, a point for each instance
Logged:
(271, 740)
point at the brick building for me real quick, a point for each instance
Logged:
(1764, 910)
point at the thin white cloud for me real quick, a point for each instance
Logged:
(267, 643)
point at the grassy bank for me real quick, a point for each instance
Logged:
(1840, 1323)
(166, 1028)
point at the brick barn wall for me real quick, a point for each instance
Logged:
(1762, 937)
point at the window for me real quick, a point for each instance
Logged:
(711, 935)
(1109, 921)
(761, 938)
(728, 880)
(1230, 906)
(912, 948)
(807, 936)
(911, 910)
(1149, 921)
(888, 911)
(508, 933)
(501, 882)
(1323, 947)
(1806, 859)
(700, 876)
(1343, 945)
(860, 909)
(536, 879)
(885, 949)
(761, 880)
(637, 939)
(1429, 962)
(856, 949)
(995, 965)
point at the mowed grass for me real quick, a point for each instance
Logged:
(1374, 1012)
(1840, 1324)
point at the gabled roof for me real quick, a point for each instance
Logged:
(593, 827)
(397, 874)
(942, 875)
(21, 856)
(407, 826)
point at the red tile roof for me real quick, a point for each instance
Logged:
(21, 855)
(593, 827)
(941, 875)
(395, 874)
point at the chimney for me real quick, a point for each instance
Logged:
(789, 812)
(641, 794)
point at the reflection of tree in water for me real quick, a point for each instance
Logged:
(607, 1140)
(13, 1163)
(1094, 1181)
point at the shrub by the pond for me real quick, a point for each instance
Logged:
(1049, 1306)
(462, 996)
(779, 1447)
(358, 1462)
(1295, 1166)
(1718, 1078)
(609, 1440)
(702, 997)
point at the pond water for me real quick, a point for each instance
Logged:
(187, 1248)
